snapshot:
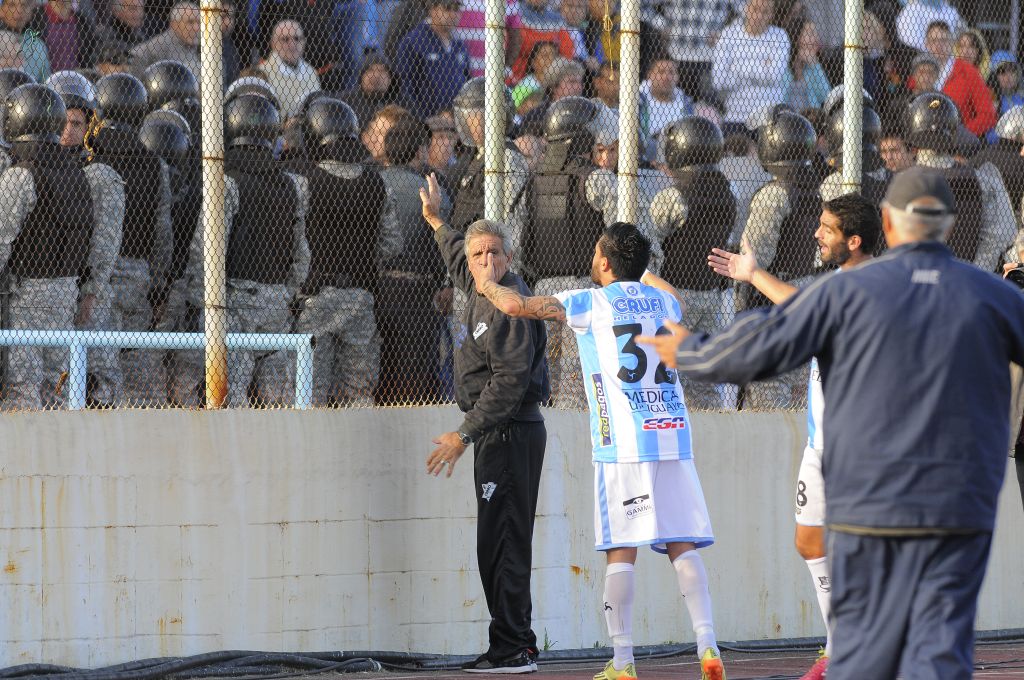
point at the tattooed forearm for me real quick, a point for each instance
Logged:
(515, 303)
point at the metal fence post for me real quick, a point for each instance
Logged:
(629, 112)
(494, 108)
(853, 101)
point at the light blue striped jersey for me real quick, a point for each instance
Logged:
(637, 411)
(815, 409)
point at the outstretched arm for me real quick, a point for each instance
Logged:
(743, 267)
(512, 302)
(651, 279)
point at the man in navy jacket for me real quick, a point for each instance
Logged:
(914, 349)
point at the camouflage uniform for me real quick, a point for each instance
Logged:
(107, 190)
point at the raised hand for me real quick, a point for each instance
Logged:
(431, 200)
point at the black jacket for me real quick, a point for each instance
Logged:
(501, 373)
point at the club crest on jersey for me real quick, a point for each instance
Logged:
(672, 423)
(638, 507)
(604, 422)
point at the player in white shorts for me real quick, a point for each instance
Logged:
(849, 229)
(646, 489)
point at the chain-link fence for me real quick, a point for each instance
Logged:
(335, 110)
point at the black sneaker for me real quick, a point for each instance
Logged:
(520, 663)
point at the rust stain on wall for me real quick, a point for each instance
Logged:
(10, 567)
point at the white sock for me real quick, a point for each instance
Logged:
(619, 581)
(822, 578)
(693, 584)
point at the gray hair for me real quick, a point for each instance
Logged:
(180, 8)
(488, 228)
(559, 69)
(918, 226)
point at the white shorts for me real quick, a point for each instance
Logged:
(810, 490)
(651, 504)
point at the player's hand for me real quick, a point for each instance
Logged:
(449, 449)
(738, 266)
(1010, 266)
(431, 200)
(666, 345)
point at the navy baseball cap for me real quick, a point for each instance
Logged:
(919, 182)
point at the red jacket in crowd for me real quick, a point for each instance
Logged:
(968, 91)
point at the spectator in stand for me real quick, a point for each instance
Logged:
(916, 18)
(69, 36)
(563, 78)
(10, 50)
(896, 155)
(112, 57)
(432, 63)
(377, 88)
(668, 103)
(541, 56)
(808, 84)
(606, 84)
(750, 65)
(971, 46)
(876, 42)
(443, 137)
(126, 23)
(574, 14)
(14, 17)
(232, 57)
(288, 73)
(690, 29)
(1005, 83)
(323, 22)
(960, 81)
(604, 45)
(540, 24)
(180, 42)
(376, 129)
(471, 32)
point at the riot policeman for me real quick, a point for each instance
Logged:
(1005, 155)
(874, 176)
(46, 220)
(140, 275)
(10, 78)
(985, 224)
(349, 211)
(692, 216)
(107, 189)
(166, 81)
(561, 228)
(780, 229)
(267, 257)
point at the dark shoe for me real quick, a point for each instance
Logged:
(520, 663)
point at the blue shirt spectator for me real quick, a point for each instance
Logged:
(1005, 82)
(431, 63)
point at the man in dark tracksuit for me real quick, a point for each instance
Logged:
(501, 379)
(914, 349)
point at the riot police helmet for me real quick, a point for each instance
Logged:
(166, 134)
(1011, 124)
(252, 85)
(122, 99)
(251, 120)
(189, 108)
(11, 78)
(871, 137)
(568, 118)
(168, 80)
(835, 98)
(787, 142)
(692, 141)
(932, 122)
(75, 89)
(330, 120)
(469, 111)
(34, 113)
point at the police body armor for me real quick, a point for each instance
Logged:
(966, 232)
(187, 206)
(141, 171)
(260, 247)
(54, 240)
(1005, 156)
(795, 255)
(710, 216)
(468, 205)
(563, 227)
(343, 230)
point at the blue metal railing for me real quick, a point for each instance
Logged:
(79, 341)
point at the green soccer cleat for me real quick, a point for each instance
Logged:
(711, 667)
(609, 672)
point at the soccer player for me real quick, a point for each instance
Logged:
(848, 231)
(646, 490)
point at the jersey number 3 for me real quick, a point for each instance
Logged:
(635, 374)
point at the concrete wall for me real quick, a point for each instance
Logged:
(138, 534)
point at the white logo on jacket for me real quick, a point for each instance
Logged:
(480, 329)
(488, 490)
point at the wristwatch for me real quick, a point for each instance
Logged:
(466, 439)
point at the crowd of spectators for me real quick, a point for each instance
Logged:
(399, 64)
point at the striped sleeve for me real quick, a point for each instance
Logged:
(579, 306)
